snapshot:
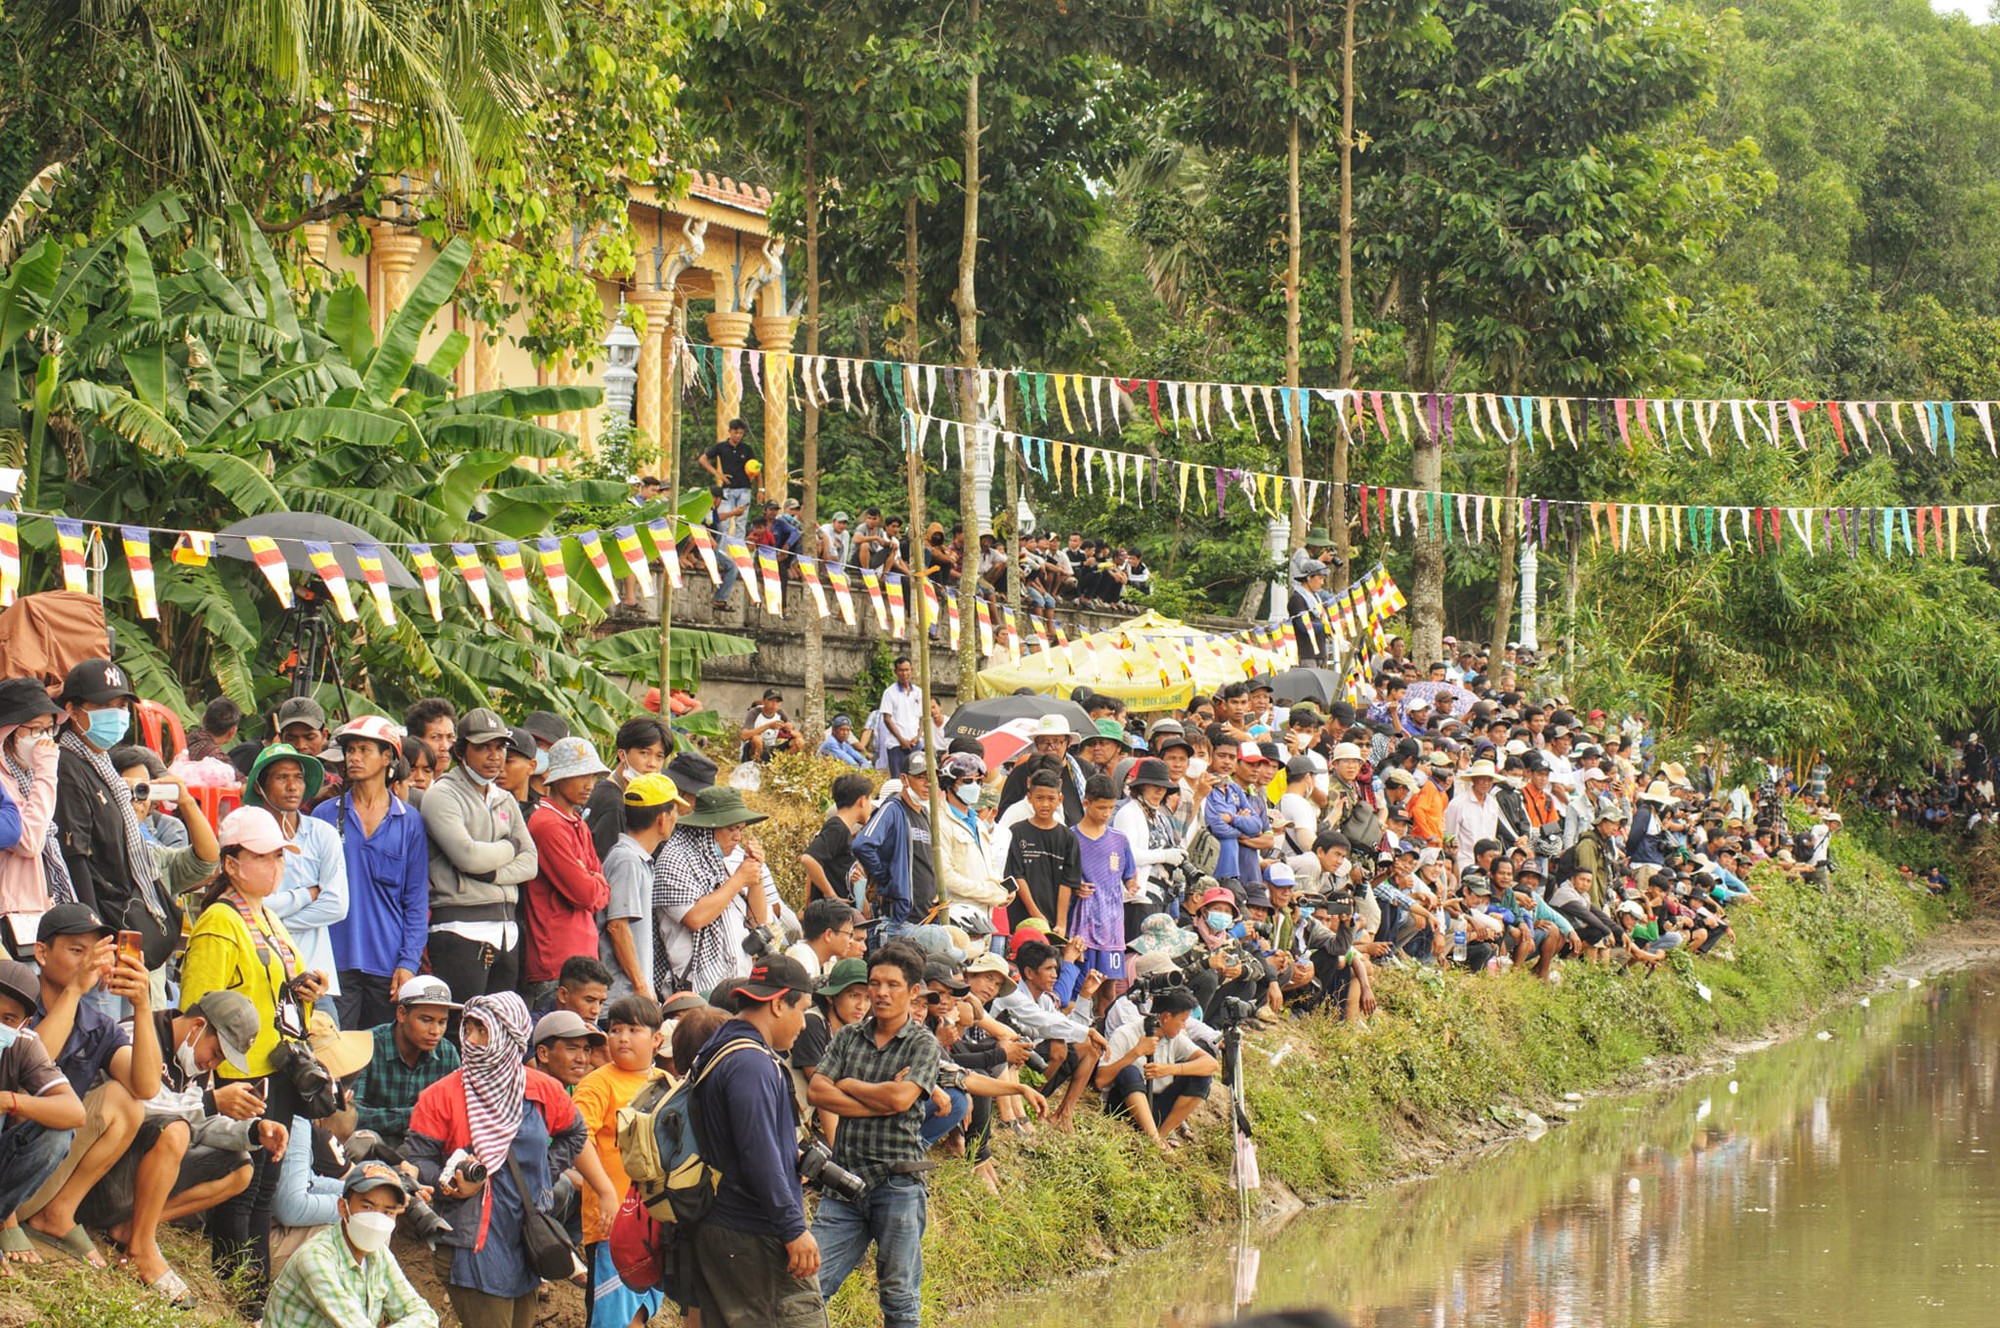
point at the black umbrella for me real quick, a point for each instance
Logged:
(290, 529)
(977, 718)
(1321, 687)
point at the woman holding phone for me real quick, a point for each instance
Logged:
(32, 875)
(239, 945)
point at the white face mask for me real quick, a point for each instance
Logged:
(370, 1232)
(184, 1057)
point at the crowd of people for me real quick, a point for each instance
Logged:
(412, 981)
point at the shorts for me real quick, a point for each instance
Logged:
(110, 1200)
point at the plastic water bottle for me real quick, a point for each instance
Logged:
(1458, 945)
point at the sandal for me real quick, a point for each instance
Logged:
(172, 1288)
(75, 1243)
(16, 1248)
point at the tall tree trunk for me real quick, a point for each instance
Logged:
(913, 346)
(1013, 518)
(1571, 579)
(1295, 460)
(815, 704)
(1337, 516)
(1426, 474)
(1510, 551)
(970, 385)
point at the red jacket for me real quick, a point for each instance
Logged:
(441, 1115)
(566, 894)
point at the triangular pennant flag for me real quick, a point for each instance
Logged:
(808, 569)
(474, 572)
(193, 548)
(873, 583)
(263, 551)
(634, 555)
(514, 576)
(843, 592)
(554, 571)
(328, 569)
(376, 578)
(10, 557)
(774, 591)
(592, 544)
(428, 573)
(666, 549)
(69, 540)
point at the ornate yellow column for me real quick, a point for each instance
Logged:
(396, 253)
(774, 338)
(314, 237)
(730, 331)
(486, 370)
(650, 410)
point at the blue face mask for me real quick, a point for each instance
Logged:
(478, 778)
(968, 792)
(541, 762)
(108, 727)
(1217, 920)
(8, 1035)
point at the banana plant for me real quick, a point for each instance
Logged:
(166, 377)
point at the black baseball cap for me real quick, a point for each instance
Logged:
(95, 682)
(70, 920)
(775, 976)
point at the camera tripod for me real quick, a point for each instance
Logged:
(308, 643)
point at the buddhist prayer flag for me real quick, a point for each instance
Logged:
(139, 562)
(703, 545)
(514, 576)
(194, 548)
(669, 552)
(950, 608)
(592, 544)
(739, 553)
(843, 594)
(984, 617)
(264, 552)
(474, 572)
(930, 605)
(428, 573)
(774, 594)
(10, 558)
(634, 554)
(69, 538)
(898, 618)
(809, 573)
(369, 556)
(555, 573)
(328, 569)
(875, 600)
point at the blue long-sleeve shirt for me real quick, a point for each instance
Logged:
(1646, 845)
(750, 1134)
(894, 849)
(10, 820)
(1237, 862)
(388, 885)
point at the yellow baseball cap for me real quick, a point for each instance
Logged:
(652, 791)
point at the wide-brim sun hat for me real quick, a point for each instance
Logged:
(571, 757)
(253, 787)
(718, 808)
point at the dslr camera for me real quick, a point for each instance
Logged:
(760, 941)
(368, 1146)
(817, 1167)
(319, 1094)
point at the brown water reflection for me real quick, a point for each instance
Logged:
(1853, 1181)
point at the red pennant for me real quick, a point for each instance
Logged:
(1153, 399)
(1621, 405)
(1639, 409)
(1839, 429)
(1777, 530)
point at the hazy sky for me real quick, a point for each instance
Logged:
(1975, 9)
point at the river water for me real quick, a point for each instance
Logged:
(1838, 1182)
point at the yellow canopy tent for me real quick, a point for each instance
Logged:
(1145, 675)
(1214, 659)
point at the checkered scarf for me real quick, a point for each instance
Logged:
(496, 1075)
(689, 865)
(55, 872)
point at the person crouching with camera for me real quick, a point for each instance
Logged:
(755, 1262)
(346, 1275)
(491, 1138)
(239, 945)
(1154, 1074)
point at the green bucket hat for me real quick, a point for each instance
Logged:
(1112, 729)
(844, 974)
(718, 807)
(253, 787)
(1317, 536)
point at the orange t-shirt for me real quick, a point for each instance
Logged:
(598, 1097)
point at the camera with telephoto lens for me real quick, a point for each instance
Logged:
(817, 1167)
(759, 941)
(1232, 1010)
(1036, 1061)
(423, 1220)
(470, 1170)
(319, 1094)
(1159, 982)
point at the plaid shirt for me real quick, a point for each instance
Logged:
(388, 1088)
(324, 1286)
(871, 1146)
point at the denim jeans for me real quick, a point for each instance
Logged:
(727, 566)
(29, 1155)
(737, 499)
(892, 1215)
(937, 1127)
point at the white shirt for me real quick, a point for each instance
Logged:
(904, 707)
(1176, 1050)
(1468, 820)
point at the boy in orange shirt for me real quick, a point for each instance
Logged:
(633, 1038)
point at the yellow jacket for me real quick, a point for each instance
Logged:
(222, 955)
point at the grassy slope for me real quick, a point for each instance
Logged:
(1344, 1108)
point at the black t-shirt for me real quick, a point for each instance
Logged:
(833, 849)
(732, 459)
(810, 1048)
(1046, 860)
